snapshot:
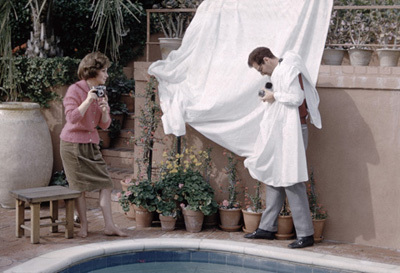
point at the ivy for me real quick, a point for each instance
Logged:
(36, 76)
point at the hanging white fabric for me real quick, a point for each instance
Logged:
(207, 82)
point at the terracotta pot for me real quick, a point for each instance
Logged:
(105, 137)
(193, 220)
(129, 101)
(143, 217)
(210, 221)
(388, 57)
(169, 44)
(318, 230)
(360, 57)
(333, 56)
(167, 222)
(230, 219)
(251, 220)
(26, 149)
(285, 227)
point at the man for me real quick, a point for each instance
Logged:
(280, 148)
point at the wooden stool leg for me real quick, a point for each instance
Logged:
(54, 215)
(35, 223)
(69, 216)
(19, 218)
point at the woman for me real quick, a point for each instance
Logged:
(83, 163)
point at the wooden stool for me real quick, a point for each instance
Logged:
(34, 196)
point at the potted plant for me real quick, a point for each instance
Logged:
(229, 210)
(387, 33)
(285, 223)
(253, 212)
(173, 24)
(318, 213)
(142, 195)
(196, 196)
(337, 34)
(361, 34)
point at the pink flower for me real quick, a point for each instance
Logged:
(180, 185)
(137, 183)
(182, 205)
(119, 195)
(225, 203)
(128, 193)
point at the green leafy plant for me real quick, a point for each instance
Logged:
(253, 202)
(140, 193)
(184, 170)
(231, 170)
(285, 211)
(317, 210)
(169, 194)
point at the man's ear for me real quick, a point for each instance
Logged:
(266, 59)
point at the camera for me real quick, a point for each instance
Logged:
(268, 85)
(100, 91)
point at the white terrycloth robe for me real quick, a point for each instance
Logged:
(279, 156)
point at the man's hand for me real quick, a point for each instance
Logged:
(269, 96)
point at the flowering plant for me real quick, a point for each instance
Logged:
(231, 171)
(253, 202)
(317, 210)
(183, 171)
(387, 27)
(141, 193)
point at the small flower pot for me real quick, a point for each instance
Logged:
(318, 229)
(360, 57)
(230, 219)
(251, 220)
(143, 217)
(285, 228)
(333, 56)
(167, 223)
(388, 57)
(193, 220)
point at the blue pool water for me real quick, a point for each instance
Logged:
(191, 262)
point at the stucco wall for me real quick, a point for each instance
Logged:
(355, 157)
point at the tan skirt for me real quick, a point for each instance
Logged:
(84, 166)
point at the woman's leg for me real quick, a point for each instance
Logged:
(80, 204)
(105, 204)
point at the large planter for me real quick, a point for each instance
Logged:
(360, 57)
(251, 220)
(388, 57)
(230, 219)
(318, 229)
(143, 217)
(26, 149)
(169, 44)
(333, 56)
(285, 228)
(193, 220)
(167, 222)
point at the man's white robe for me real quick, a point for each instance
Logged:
(279, 157)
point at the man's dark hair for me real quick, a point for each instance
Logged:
(257, 55)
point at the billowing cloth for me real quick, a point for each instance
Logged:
(207, 82)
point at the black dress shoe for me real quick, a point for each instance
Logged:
(303, 242)
(261, 234)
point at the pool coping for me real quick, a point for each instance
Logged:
(60, 259)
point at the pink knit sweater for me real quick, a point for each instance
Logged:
(78, 128)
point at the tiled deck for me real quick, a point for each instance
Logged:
(15, 251)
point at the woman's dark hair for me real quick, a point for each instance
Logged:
(258, 54)
(91, 64)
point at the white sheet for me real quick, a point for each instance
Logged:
(207, 82)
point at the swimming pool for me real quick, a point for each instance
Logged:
(207, 251)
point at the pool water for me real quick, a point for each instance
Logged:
(164, 261)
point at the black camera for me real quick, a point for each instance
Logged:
(268, 85)
(100, 91)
